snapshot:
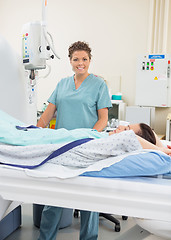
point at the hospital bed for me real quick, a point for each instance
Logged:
(142, 197)
(121, 194)
(139, 197)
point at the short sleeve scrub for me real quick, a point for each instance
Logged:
(77, 108)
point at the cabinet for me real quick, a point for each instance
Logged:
(117, 111)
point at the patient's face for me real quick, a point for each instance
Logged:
(134, 127)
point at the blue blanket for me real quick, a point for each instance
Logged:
(9, 134)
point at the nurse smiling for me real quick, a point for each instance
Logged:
(81, 101)
(80, 62)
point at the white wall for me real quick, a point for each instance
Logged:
(117, 32)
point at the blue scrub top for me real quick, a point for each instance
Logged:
(77, 108)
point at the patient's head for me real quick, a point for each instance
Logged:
(140, 129)
(145, 132)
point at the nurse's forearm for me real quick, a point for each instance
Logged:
(102, 119)
(100, 125)
(43, 121)
(47, 116)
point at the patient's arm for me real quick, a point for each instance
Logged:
(158, 142)
(47, 116)
(147, 145)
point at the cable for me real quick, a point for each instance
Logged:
(51, 46)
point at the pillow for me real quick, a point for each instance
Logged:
(143, 164)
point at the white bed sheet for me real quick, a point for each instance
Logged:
(135, 197)
(6, 206)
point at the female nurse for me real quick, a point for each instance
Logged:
(80, 101)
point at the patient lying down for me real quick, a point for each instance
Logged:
(119, 142)
(143, 131)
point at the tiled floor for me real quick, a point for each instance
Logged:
(129, 230)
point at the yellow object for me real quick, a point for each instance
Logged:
(52, 123)
(169, 116)
(161, 136)
(156, 78)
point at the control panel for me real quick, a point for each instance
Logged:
(153, 81)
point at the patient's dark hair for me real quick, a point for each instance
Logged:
(147, 133)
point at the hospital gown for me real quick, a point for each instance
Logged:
(80, 156)
(93, 151)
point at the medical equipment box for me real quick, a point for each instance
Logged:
(10, 223)
(33, 46)
(153, 81)
(137, 114)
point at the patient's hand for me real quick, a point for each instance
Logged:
(111, 133)
(165, 150)
(119, 129)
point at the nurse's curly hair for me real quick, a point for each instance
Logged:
(79, 46)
